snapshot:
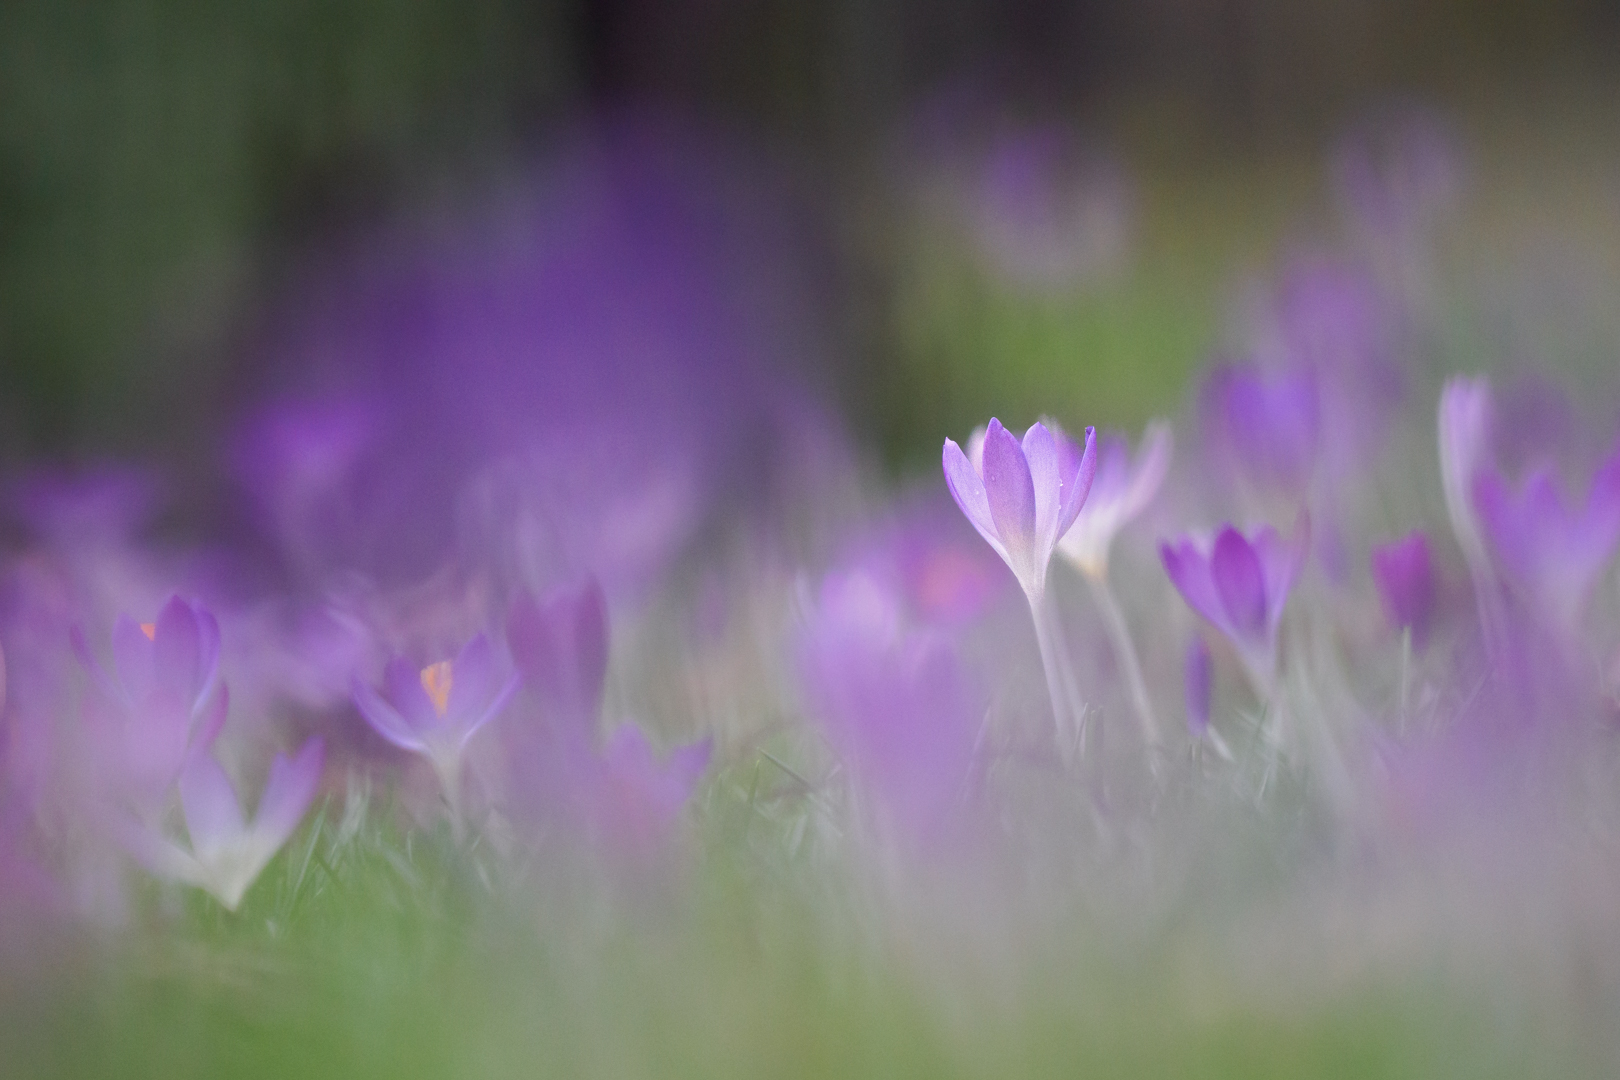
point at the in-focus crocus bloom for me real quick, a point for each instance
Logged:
(1404, 573)
(1552, 553)
(227, 851)
(1240, 586)
(162, 698)
(1022, 497)
(434, 711)
(1121, 490)
(1268, 424)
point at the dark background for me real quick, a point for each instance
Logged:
(165, 166)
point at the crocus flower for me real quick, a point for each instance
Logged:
(162, 700)
(633, 800)
(434, 711)
(227, 851)
(1267, 423)
(1464, 428)
(1404, 574)
(1240, 586)
(893, 703)
(1550, 551)
(1022, 497)
(1122, 489)
(560, 645)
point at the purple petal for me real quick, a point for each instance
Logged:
(1010, 492)
(133, 659)
(213, 815)
(561, 647)
(968, 490)
(493, 709)
(176, 649)
(475, 679)
(1404, 574)
(1041, 454)
(1199, 676)
(288, 791)
(1280, 564)
(384, 719)
(155, 739)
(1239, 581)
(1077, 483)
(1188, 570)
(403, 683)
(1152, 464)
(207, 655)
(208, 727)
(688, 763)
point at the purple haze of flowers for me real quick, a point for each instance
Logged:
(1399, 175)
(1552, 552)
(1022, 497)
(1121, 490)
(163, 700)
(560, 645)
(1464, 436)
(634, 801)
(227, 851)
(434, 711)
(1404, 574)
(1240, 586)
(894, 704)
(1268, 424)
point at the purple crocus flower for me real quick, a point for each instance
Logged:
(1267, 423)
(1121, 490)
(560, 645)
(434, 711)
(1198, 674)
(1404, 574)
(633, 801)
(228, 852)
(1240, 586)
(162, 701)
(1550, 551)
(893, 703)
(1022, 497)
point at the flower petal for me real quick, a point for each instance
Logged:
(1041, 455)
(475, 678)
(1188, 570)
(384, 719)
(176, 650)
(403, 683)
(1239, 581)
(1077, 483)
(133, 659)
(288, 791)
(967, 488)
(1010, 492)
(213, 815)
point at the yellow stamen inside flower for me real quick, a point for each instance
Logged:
(436, 680)
(150, 630)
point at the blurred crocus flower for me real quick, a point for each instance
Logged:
(1550, 551)
(1267, 423)
(434, 711)
(1022, 497)
(227, 851)
(1198, 674)
(1121, 490)
(1404, 573)
(162, 700)
(635, 801)
(560, 645)
(894, 704)
(1240, 586)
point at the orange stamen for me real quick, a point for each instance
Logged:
(150, 630)
(436, 679)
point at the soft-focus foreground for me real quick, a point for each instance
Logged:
(565, 693)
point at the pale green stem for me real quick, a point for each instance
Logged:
(1125, 650)
(1048, 636)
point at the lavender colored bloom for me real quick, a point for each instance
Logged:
(1022, 497)
(1267, 424)
(1121, 490)
(1464, 434)
(162, 701)
(560, 645)
(434, 711)
(227, 851)
(1552, 552)
(1404, 573)
(1198, 679)
(1240, 586)
(633, 801)
(893, 703)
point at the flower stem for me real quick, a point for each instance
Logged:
(1125, 650)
